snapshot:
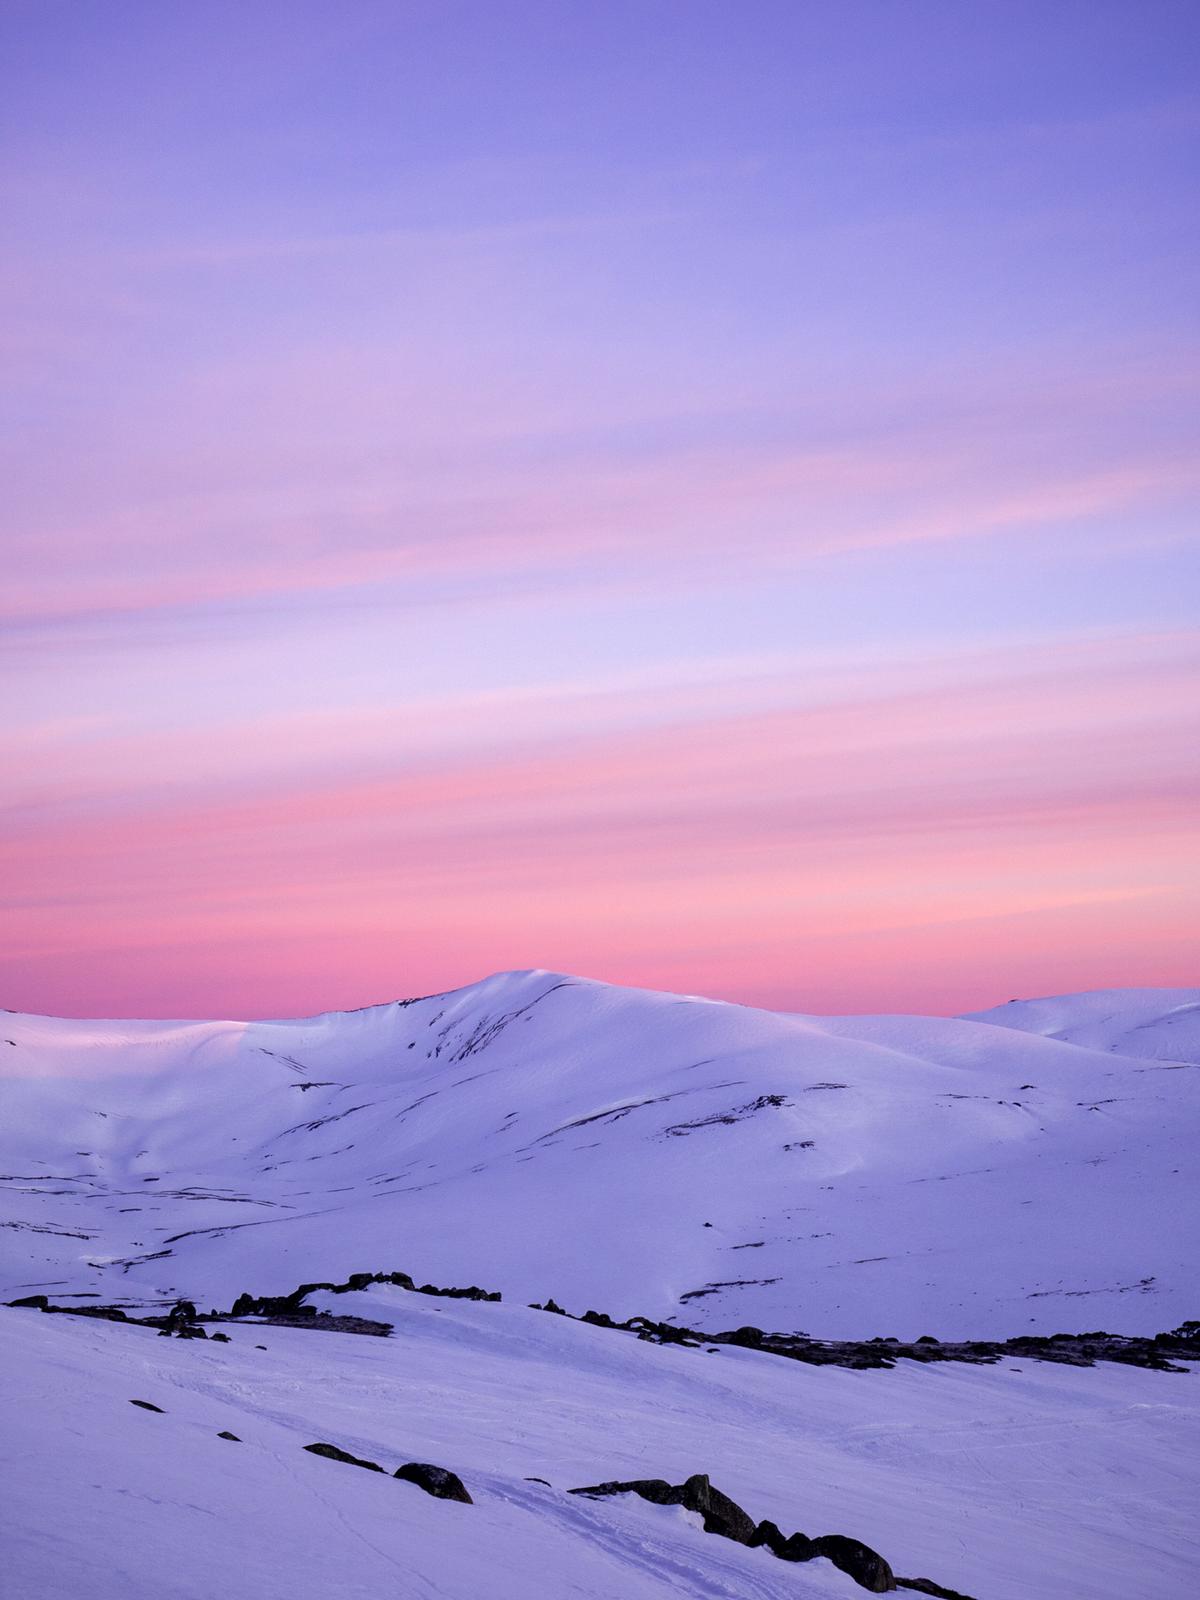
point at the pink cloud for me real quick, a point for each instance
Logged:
(1053, 789)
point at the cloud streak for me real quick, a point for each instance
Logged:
(473, 502)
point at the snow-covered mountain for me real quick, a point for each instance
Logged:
(1024, 1170)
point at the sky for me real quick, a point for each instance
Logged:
(700, 495)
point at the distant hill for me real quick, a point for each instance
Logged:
(1023, 1170)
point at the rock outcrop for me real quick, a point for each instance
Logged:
(726, 1518)
(440, 1482)
(331, 1452)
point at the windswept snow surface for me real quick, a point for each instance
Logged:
(1012, 1482)
(1027, 1171)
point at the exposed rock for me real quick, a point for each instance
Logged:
(767, 1533)
(1162, 1353)
(725, 1517)
(795, 1547)
(440, 1482)
(798, 1547)
(290, 1310)
(332, 1453)
(226, 1435)
(36, 1302)
(721, 1514)
(927, 1586)
(657, 1490)
(750, 1337)
(147, 1406)
(866, 1566)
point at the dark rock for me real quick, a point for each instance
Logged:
(104, 1313)
(767, 1534)
(440, 1482)
(927, 1586)
(35, 1302)
(657, 1490)
(750, 1337)
(147, 1406)
(866, 1566)
(799, 1547)
(332, 1453)
(219, 1338)
(224, 1435)
(721, 1514)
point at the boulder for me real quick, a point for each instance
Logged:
(798, 1547)
(657, 1490)
(332, 1453)
(767, 1533)
(721, 1514)
(725, 1517)
(795, 1547)
(858, 1561)
(440, 1482)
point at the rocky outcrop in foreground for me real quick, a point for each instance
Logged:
(726, 1518)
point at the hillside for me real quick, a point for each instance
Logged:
(635, 1152)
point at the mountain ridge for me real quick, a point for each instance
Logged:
(638, 1152)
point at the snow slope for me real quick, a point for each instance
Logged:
(1022, 1481)
(1026, 1170)
(1148, 1024)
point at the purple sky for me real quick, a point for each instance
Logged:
(702, 495)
